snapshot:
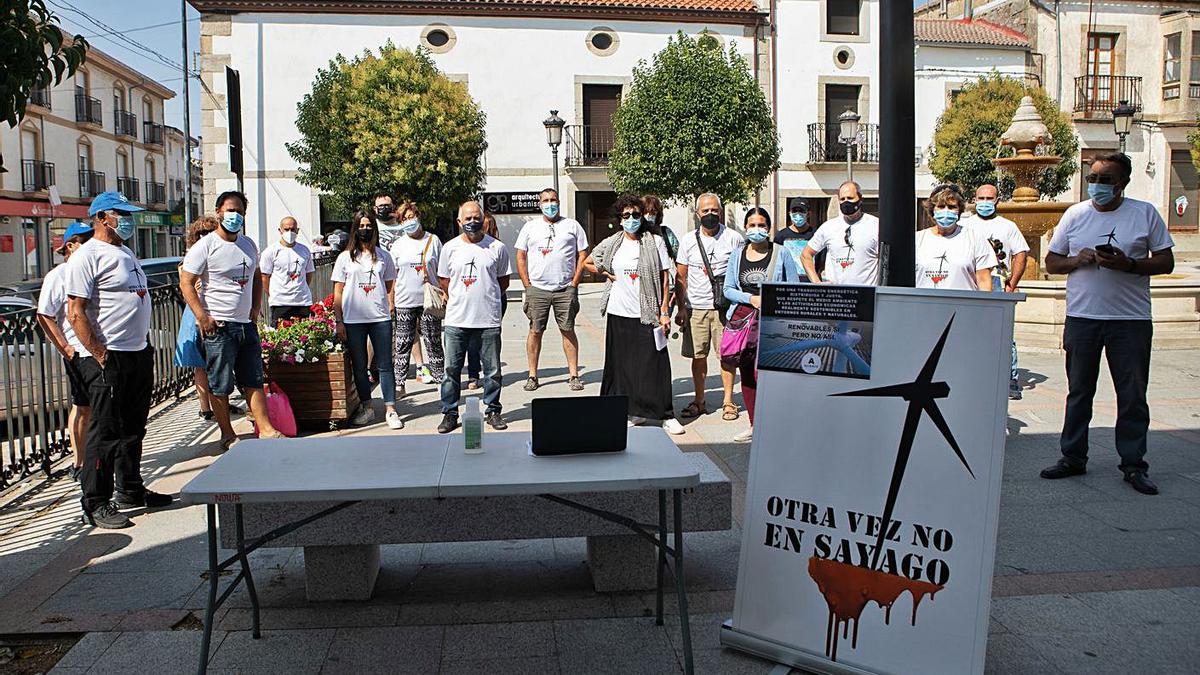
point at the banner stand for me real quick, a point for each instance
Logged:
(780, 653)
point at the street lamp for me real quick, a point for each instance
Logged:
(554, 127)
(848, 134)
(1122, 116)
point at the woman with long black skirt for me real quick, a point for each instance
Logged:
(636, 266)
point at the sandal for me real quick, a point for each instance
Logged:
(227, 443)
(730, 412)
(694, 410)
(531, 384)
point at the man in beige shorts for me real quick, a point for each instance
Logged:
(700, 273)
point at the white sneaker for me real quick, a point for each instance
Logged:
(672, 426)
(424, 376)
(393, 420)
(364, 416)
(744, 437)
(635, 421)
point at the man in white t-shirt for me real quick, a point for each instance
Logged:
(52, 317)
(387, 217)
(852, 242)
(473, 270)
(1011, 253)
(109, 310)
(226, 307)
(550, 254)
(287, 270)
(1109, 247)
(699, 279)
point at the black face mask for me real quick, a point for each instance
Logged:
(849, 208)
(385, 211)
(710, 221)
(364, 235)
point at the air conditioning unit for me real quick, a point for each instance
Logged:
(4, 220)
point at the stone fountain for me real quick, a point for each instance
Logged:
(1034, 217)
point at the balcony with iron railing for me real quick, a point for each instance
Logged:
(91, 183)
(36, 175)
(88, 110)
(1097, 95)
(156, 193)
(129, 186)
(126, 123)
(824, 145)
(588, 144)
(40, 97)
(152, 133)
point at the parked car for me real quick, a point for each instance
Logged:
(159, 272)
(14, 303)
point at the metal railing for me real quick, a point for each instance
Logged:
(35, 392)
(129, 186)
(588, 144)
(40, 97)
(1097, 95)
(156, 193)
(125, 122)
(88, 110)
(824, 145)
(36, 175)
(91, 183)
(152, 133)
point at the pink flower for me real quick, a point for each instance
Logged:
(304, 338)
(288, 358)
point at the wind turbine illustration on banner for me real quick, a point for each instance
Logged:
(842, 341)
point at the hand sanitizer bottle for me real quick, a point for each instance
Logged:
(472, 424)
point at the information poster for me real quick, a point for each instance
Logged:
(817, 329)
(872, 500)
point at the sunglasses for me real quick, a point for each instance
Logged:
(849, 244)
(1101, 178)
(998, 248)
(631, 214)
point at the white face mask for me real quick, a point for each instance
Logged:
(289, 236)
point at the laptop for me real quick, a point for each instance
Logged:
(579, 425)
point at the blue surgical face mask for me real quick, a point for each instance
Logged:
(550, 209)
(232, 221)
(985, 209)
(472, 226)
(1101, 194)
(756, 235)
(631, 225)
(798, 219)
(125, 227)
(410, 226)
(946, 218)
(651, 218)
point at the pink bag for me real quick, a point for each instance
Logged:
(279, 411)
(740, 330)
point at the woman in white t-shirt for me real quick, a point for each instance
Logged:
(636, 266)
(363, 277)
(948, 255)
(415, 252)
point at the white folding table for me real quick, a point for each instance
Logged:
(350, 470)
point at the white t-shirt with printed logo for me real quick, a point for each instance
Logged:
(950, 262)
(288, 267)
(52, 302)
(111, 279)
(227, 269)
(718, 248)
(474, 271)
(364, 297)
(412, 257)
(552, 251)
(856, 263)
(1004, 231)
(1095, 292)
(624, 299)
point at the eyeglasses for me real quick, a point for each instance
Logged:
(1102, 178)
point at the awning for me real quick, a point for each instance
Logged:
(39, 209)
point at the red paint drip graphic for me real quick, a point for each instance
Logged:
(847, 590)
(845, 263)
(633, 276)
(937, 279)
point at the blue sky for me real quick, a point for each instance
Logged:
(134, 18)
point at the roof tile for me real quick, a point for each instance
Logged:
(967, 32)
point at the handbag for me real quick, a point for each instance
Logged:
(434, 303)
(740, 331)
(279, 411)
(720, 302)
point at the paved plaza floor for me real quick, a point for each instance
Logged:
(1090, 576)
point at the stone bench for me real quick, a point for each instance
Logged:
(341, 551)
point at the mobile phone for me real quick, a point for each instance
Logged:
(1107, 249)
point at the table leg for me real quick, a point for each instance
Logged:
(213, 575)
(241, 548)
(662, 555)
(680, 590)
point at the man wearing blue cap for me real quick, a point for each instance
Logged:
(109, 308)
(52, 316)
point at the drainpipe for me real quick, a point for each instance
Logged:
(969, 10)
(774, 106)
(1057, 55)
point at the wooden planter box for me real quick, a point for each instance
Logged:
(322, 393)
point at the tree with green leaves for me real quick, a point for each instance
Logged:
(390, 122)
(693, 121)
(1194, 142)
(967, 137)
(34, 53)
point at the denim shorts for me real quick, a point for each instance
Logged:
(233, 354)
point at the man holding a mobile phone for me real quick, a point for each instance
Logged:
(1108, 246)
